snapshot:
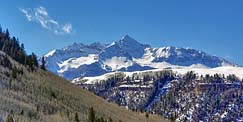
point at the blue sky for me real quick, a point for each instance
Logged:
(212, 26)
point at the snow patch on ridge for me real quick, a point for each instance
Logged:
(116, 63)
(51, 53)
(76, 62)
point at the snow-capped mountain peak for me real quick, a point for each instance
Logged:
(75, 46)
(126, 54)
(128, 39)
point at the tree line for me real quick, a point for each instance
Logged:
(12, 47)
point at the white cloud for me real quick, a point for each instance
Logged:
(42, 11)
(67, 28)
(41, 16)
(28, 16)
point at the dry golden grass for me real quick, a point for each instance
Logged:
(44, 97)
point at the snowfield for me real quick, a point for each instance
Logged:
(226, 70)
(117, 63)
(76, 62)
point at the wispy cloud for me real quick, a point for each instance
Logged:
(41, 16)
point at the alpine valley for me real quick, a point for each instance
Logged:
(106, 61)
(181, 84)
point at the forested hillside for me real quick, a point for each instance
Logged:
(31, 94)
(188, 97)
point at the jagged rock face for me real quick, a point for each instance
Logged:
(126, 54)
(186, 57)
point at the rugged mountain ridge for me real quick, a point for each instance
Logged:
(126, 54)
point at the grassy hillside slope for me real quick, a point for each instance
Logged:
(41, 96)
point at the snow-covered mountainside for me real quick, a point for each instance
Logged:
(181, 70)
(187, 97)
(126, 54)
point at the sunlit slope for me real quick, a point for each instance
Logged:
(42, 96)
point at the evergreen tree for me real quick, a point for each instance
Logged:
(147, 115)
(31, 61)
(110, 120)
(76, 117)
(43, 63)
(22, 112)
(91, 116)
(9, 119)
(1, 30)
(34, 59)
(7, 35)
(14, 73)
